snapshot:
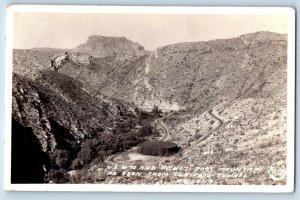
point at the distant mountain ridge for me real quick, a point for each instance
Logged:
(211, 70)
(190, 74)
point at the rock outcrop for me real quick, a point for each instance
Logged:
(103, 46)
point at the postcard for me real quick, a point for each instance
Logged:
(149, 99)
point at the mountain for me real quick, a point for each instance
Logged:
(202, 74)
(192, 75)
(59, 125)
(227, 88)
(103, 46)
(240, 82)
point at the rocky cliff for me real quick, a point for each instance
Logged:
(103, 46)
(54, 114)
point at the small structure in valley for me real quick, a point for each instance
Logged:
(158, 148)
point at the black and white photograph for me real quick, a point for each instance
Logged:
(120, 98)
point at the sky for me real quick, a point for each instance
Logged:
(61, 30)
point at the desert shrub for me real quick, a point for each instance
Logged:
(99, 162)
(196, 137)
(156, 112)
(265, 144)
(78, 176)
(58, 176)
(86, 152)
(124, 137)
(60, 159)
(145, 130)
(76, 164)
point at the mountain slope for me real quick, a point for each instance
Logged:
(193, 75)
(212, 71)
(56, 115)
(230, 88)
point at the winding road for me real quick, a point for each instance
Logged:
(220, 123)
(165, 136)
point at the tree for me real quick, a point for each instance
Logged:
(146, 130)
(58, 176)
(62, 158)
(86, 154)
(156, 112)
(76, 164)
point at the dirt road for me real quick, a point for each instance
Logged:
(165, 136)
(220, 122)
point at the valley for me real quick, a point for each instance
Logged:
(223, 102)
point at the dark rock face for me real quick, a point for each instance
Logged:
(52, 116)
(27, 156)
(158, 148)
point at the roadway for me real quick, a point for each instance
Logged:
(165, 135)
(220, 123)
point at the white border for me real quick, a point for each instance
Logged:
(289, 187)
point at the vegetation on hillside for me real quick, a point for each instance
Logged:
(73, 126)
(232, 90)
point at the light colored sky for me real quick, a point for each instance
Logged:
(69, 30)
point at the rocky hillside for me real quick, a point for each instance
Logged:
(59, 125)
(185, 75)
(202, 74)
(103, 46)
(193, 75)
(231, 88)
(60, 114)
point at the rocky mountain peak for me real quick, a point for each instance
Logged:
(103, 46)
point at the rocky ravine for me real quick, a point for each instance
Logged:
(53, 116)
(61, 110)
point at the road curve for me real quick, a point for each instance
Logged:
(112, 157)
(220, 122)
(166, 136)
